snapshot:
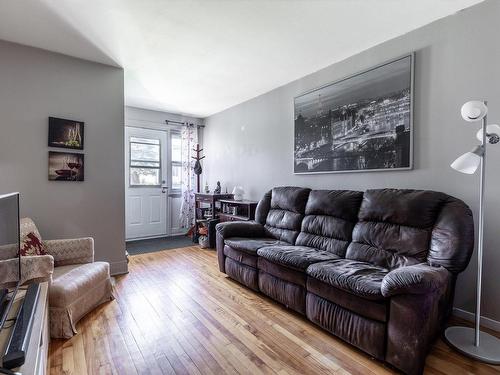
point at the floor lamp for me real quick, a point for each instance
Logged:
(471, 341)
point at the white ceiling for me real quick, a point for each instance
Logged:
(202, 56)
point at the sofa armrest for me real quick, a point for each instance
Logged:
(71, 251)
(419, 296)
(36, 268)
(234, 229)
(240, 229)
(416, 279)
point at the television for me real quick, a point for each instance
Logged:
(9, 248)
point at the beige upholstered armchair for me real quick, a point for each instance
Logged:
(78, 284)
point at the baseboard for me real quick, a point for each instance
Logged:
(118, 268)
(175, 234)
(485, 322)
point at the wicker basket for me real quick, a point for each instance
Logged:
(203, 241)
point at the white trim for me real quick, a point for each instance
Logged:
(173, 234)
(118, 268)
(146, 124)
(485, 322)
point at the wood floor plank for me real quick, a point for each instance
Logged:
(175, 313)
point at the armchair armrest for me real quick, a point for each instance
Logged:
(71, 251)
(38, 268)
(417, 279)
(240, 229)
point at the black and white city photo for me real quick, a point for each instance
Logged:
(361, 123)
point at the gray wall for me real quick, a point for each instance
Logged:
(34, 85)
(457, 59)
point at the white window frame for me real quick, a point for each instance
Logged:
(171, 134)
(130, 166)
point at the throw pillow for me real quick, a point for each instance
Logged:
(31, 244)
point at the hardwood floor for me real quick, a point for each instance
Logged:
(175, 313)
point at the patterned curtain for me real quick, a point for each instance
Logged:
(189, 138)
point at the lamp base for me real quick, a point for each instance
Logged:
(462, 339)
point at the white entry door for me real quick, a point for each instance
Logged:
(146, 181)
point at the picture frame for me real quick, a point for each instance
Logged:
(361, 123)
(64, 133)
(66, 166)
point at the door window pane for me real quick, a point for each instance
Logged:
(144, 152)
(145, 162)
(176, 147)
(176, 177)
(144, 176)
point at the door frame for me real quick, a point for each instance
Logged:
(145, 193)
(171, 194)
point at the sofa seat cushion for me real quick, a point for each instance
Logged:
(75, 291)
(295, 257)
(250, 245)
(73, 282)
(360, 278)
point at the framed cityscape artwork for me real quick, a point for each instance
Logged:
(358, 124)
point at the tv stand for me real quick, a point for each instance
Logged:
(37, 353)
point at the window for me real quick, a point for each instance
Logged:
(176, 161)
(145, 164)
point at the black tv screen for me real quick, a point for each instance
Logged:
(9, 238)
(9, 226)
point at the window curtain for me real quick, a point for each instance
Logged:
(189, 140)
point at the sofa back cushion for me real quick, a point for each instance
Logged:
(395, 226)
(330, 219)
(392, 228)
(281, 212)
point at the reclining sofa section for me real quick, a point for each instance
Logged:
(376, 269)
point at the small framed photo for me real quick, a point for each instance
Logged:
(65, 133)
(66, 166)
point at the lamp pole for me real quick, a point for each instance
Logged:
(471, 341)
(481, 230)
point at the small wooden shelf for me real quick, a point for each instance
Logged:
(233, 210)
(229, 217)
(207, 209)
(212, 208)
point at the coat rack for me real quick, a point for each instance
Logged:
(197, 167)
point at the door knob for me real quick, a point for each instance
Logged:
(164, 189)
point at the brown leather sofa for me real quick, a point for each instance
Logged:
(376, 269)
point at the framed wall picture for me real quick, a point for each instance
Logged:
(66, 166)
(358, 124)
(65, 133)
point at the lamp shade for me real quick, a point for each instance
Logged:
(238, 192)
(491, 130)
(474, 110)
(467, 163)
